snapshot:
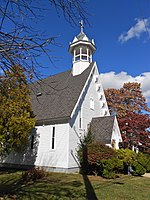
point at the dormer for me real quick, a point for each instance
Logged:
(82, 49)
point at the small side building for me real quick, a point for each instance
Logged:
(106, 130)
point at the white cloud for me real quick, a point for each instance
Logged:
(112, 80)
(142, 25)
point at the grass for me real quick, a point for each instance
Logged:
(57, 186)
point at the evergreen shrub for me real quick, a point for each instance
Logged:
(113, 164)
(127, 156)
(108, 174)
(144, 160)
(138, 169)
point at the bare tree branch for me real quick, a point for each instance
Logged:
(20, 44)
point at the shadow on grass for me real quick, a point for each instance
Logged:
(118, 183)
(51, 187)
(90, 193)
(7, 170)
(13, 187)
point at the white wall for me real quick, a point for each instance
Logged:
(42, 154)
(57, 157)
(83, 104)
(79, 67)
(116, 135)
(87, 112)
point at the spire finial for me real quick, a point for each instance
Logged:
(81, 25)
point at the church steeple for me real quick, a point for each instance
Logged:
(82, 49)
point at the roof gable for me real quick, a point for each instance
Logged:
(102, 128)
(58, 94)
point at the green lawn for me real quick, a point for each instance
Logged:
(73, 187)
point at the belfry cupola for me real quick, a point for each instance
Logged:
(82, 49)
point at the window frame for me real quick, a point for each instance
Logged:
(80, 119)
(53, 138)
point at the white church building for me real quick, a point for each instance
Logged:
(65, 105)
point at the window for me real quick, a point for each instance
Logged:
(92, 103)
(32, 141)
(80, 119)
(105, 113)
(96, 78)
(84, 57)
(103, 105)
(100, 96)
(53, 138)
(77, 58)
(98, 88)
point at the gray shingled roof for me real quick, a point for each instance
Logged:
(102, 128)
(57, 95)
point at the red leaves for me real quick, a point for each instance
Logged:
(135, 127)
(128, 103)
(97, 151)
(128, 98)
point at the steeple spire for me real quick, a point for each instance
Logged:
(81, 26)
(82, 49)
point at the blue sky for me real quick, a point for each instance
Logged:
(121, 31)
(108, 20)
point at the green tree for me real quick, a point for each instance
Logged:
(16, 117)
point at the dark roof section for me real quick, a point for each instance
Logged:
(102, 128)
(55, 97)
